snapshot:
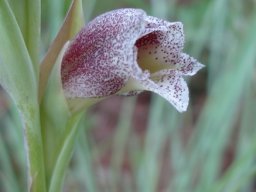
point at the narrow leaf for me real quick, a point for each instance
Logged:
(18, 78)
(16, 74)
(28, 16)
(32, 30)
(54, 116)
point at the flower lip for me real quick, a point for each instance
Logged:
(125, 51)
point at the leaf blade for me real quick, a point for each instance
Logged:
(16, 74)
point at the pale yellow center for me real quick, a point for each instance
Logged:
(153, 58)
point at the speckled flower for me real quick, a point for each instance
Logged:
(125, 52)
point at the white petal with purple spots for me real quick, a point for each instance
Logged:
(125, 52)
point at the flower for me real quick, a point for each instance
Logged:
(124, 52)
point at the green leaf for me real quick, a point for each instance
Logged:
(28, 16)
(59, 128)
(16, 74)
(65, 151)
(73, 23)
(59, 122)
(54, 116)
(18, 78)
(32, 30)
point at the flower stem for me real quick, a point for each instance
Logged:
(65, 153)
(34, 148)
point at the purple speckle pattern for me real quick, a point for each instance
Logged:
(127, 44)
(188, 65)
(170, 85)
(98, 61)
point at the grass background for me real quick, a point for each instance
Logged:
(141, 143)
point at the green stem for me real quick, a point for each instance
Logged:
(34, 148)
(31, 31)
(65, 153)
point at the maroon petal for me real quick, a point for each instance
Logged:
(99, 60)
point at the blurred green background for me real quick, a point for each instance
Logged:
(141, 144)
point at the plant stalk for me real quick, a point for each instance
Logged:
(65, 153)
(34, 149)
